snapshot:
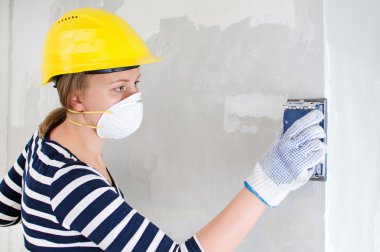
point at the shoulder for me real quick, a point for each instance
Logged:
(75, 184)
(79, 177)
(31, 141)
(50, 153)
(75, 169)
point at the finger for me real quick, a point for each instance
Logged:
(304, 176)
(311, 118)
(312, 145)
(308, 134)
(317, 157)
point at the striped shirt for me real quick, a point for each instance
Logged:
(66, 205)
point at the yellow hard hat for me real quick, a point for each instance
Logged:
(88, 39)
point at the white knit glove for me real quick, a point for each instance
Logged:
(290, 162)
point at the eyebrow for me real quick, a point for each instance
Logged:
(124, 80)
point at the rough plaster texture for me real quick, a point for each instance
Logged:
(353, 88)
(202, 130)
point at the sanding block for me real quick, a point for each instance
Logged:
(297, 108)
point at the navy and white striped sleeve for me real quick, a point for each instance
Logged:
(10, 193)
(83, 201)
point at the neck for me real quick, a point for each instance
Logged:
(82, 141)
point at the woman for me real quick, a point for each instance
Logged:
(60, 188)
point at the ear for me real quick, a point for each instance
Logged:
(75, 101)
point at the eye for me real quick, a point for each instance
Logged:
(120, 89)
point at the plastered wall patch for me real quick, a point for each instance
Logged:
(242, 111)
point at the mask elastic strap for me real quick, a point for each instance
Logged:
(88, 112)
(87, 125)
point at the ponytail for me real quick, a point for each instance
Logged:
(66, 84)
(54, 118)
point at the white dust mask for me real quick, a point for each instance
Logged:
(125, 119)
(120, 120)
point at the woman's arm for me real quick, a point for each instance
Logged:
(10, 193)
(286, 166)
(10, 190)
(229, 227)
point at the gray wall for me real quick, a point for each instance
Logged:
(212, 108)
(353, 88)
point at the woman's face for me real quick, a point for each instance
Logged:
(105, 90)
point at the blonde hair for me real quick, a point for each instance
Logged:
(66, 85)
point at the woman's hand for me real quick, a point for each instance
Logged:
(290, 161)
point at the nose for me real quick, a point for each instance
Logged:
(132, 92)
